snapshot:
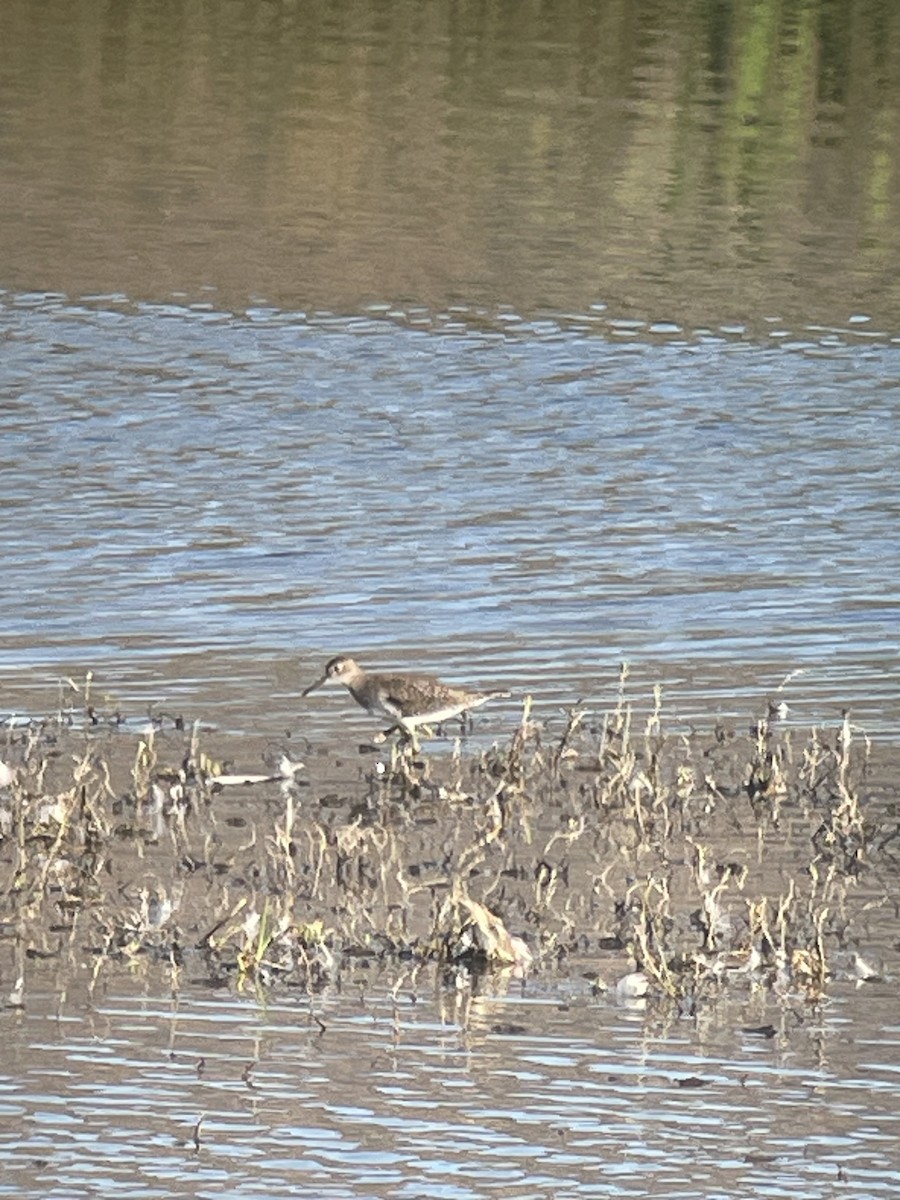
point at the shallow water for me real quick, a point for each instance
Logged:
(552, 1093)
(523, 506)
(511, 342)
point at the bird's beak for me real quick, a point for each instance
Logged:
(312, 687)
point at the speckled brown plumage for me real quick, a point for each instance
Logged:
(409, 700)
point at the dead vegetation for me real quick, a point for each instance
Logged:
(690, 863)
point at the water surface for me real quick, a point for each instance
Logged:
(512, 341)
(256, 493)
(690, 162)
(538, 1095)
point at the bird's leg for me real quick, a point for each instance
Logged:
(408, 730)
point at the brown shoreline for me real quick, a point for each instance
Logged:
(742, 858)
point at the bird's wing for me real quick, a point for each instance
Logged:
(406, 697)
(395, 706)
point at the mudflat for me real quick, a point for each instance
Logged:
(760, 857)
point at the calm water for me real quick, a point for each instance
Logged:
(509, 340)
(688, 162)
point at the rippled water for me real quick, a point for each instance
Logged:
(506, 341)
(550, 1094)
(508, 345)
(523, 504)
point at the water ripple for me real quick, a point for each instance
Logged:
(182, 482)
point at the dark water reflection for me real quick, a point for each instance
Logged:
(687, 162)
(578, 1097)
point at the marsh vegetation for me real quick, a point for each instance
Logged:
(673, 864)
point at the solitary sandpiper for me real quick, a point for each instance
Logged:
(408, 700)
